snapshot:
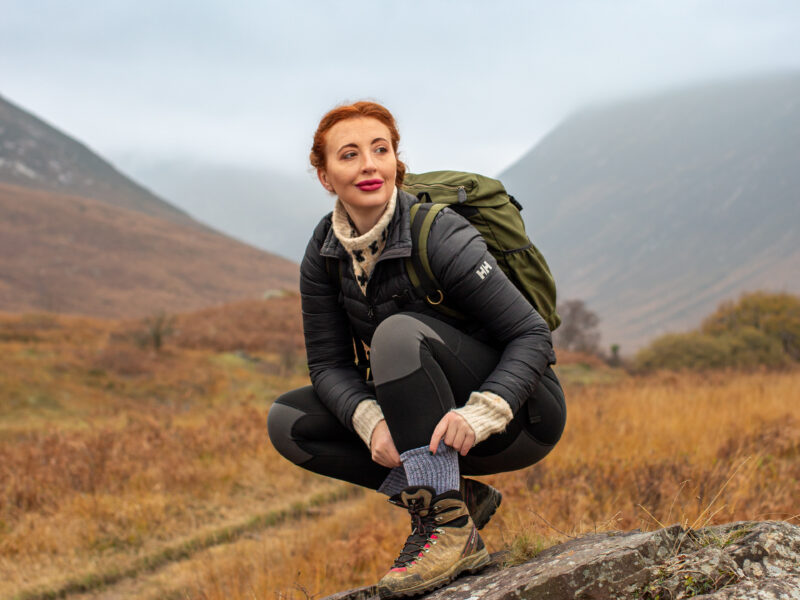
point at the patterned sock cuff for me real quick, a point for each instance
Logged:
(439, 471)
(486, 413)
(365, 418)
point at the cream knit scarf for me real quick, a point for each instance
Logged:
(364, 249)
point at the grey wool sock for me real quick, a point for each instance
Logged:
(439, 471)
(395, 482)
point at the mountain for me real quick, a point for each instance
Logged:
(35, 155)
(267, 208)
(77, 236)
(656, 209)
(76, 255)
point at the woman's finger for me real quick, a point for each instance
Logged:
(382, 458)
(469, 442)
(450, 434)
(458, 439)
(393, 455)
(438, 432)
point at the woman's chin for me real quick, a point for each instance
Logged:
(367, 200)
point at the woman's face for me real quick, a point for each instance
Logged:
(360, 163)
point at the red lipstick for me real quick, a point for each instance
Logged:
(370, 185)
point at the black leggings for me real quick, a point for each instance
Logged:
(422, 368)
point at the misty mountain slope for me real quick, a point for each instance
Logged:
(269, 209)
(655, 210)
(35, 155)
(76, 236)
(77, 255)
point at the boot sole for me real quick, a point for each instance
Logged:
(471, 564)
(484, 516)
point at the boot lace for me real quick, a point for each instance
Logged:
(423, 527)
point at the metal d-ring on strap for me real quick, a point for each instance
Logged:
(435, 302)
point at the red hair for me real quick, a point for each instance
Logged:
(357, 110)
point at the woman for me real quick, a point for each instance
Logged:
(449, 397)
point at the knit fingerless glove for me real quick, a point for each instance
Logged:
(486, 413)
(365, 418)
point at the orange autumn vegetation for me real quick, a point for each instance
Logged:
(640, 453)
(153, 470)
(109, 451)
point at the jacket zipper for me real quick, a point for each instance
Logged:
(368, 295)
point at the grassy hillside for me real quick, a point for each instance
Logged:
(81, 256)
(130, 473)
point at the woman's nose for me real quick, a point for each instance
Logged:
(368, 164)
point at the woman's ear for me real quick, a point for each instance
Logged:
(323, 179)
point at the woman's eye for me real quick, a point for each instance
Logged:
(381, 149)
(348, 155)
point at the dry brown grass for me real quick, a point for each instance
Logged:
(273, 325)
(694, 450)
(115, 460)
(110, 454)
(92, 500)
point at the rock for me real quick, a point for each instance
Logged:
(737, 561)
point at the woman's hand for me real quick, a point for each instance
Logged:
(454, 430)
(382, 446)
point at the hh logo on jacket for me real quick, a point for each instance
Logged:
(483, 270)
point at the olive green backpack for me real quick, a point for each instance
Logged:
(495, 214)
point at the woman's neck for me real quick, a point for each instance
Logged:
(365, 218)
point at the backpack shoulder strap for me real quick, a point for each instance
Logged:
(418, 265)
(421, 274)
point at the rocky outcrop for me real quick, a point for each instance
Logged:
(742, 560)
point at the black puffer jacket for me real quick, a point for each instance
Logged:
(499, 314)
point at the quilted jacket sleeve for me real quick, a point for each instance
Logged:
(329, 346)
(476, 286)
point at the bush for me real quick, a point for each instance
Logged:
(751, 347)
(693, 350)
(776, 315)
(760, 330)
(155, 330)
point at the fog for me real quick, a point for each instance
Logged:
(474, 85)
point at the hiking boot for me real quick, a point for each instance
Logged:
(443, 544)
(481, 499)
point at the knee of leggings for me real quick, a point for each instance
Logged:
(551, 408)
(280, 421)
(396, 342)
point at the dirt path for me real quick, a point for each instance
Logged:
(164, 573)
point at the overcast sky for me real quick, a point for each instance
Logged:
(474, 84)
